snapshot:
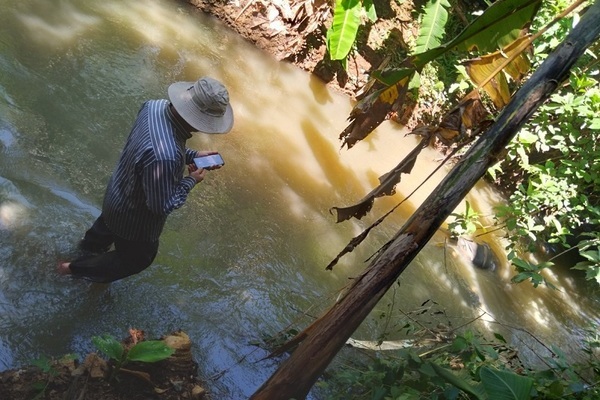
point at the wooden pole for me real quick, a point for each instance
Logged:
(322, 340)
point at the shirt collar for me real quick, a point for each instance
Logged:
(180, 130)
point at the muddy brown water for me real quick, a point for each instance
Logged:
(245, 257)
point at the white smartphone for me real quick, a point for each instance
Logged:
(210, 161)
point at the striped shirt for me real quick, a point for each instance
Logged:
(148, 181)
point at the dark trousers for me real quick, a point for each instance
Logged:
(129, 257)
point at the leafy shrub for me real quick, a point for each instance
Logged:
(554, 159)
(470, 367)
(147, 351)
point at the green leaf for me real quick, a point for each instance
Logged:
(43, 363)
(592, 271)
(149, 351)
(523, 265)
(527, 137)
(459, 344)
(499, 337)
(109, 346)
(521, 277)
(341, 35)
(595, 123)
(392, 76)
(370, 10)
(458, 381)
(504, 385)
(432, 25)
(592, 255)
(379, 394)
(498, 26)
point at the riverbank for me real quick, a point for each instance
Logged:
(295, 31)
(94, 378)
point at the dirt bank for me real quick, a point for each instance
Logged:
(97, 379)
(295, 31)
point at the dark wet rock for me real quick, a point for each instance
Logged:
(480, 254)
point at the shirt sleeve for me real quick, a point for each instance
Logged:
(190, 155)
(164, 190)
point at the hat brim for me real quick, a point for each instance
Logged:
(181, 99)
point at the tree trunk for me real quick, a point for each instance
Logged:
(321, 341)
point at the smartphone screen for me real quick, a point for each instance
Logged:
(212, 160)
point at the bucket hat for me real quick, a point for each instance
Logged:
(203, 104)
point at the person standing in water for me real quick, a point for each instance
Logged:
(148, 182)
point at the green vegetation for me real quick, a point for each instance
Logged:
(148, 351)
(555, 160)
(48, 366)
(469, 367)
(347, 18)
(549, 173)
(462, 363)
(464, 224)
(433, 22)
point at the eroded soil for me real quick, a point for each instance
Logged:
(295, 31)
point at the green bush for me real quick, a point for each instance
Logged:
(148, 351)
(470, 367)
(554, 159)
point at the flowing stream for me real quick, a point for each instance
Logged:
(245, 257)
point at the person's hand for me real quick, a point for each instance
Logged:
(197, 174)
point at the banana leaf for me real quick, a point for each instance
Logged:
(500, 25)
(505, 385)
(480, 70)
(432, 25)
(468, 115)
(341, 35)
(372, 110)
(387, 183)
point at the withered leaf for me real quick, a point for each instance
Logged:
(357, 210)
(386, 186)
(350, 247)
(371, 111)
(483, 68)
(466, 115)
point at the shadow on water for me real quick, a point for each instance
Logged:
(246, 256)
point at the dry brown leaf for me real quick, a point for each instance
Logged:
(372, 110)
(481, 68)
(464, 117)
(386, 186)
